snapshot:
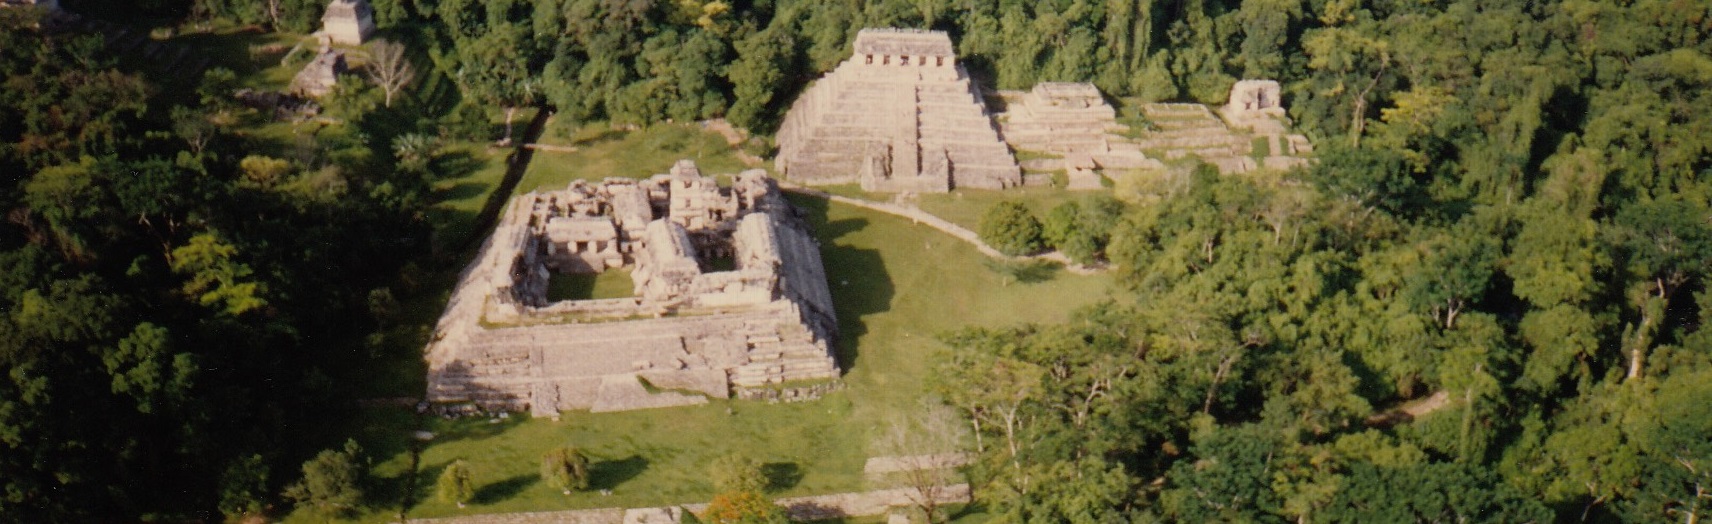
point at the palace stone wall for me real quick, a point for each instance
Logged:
(762, 328)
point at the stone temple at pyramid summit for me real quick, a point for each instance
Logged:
(901, 114)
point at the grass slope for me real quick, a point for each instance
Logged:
(965, 206)
(603, 151)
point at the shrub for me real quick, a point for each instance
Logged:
(1009, 227)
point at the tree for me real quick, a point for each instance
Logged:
(389, 69)
(332, 481)
(1435, 492)
(1455, 268)
(743, 507)
(243, 487)
(263, 171)
(350, 100)
(565, 469)
(1667, 243)
(737, 472)
(928, 447)
(415, 152)
(1009, 227)
(756, 74)
(1228, 480)
(215, 278)
(455, 485)
(193, 127)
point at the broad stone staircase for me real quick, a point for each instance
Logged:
(781, 353)
(838, 120)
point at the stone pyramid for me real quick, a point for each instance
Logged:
(899, 115)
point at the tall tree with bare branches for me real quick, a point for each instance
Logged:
(389, 68)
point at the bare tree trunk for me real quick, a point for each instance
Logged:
(509, 112)
(1010, 436)
(1358, 117)
(1643, 332)
(1218, 378)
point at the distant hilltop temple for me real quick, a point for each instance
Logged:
(348, 22)
(900, 115)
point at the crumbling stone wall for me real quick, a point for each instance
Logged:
(1072, 120)
(899, 115)
(321, 74)
(690, 332)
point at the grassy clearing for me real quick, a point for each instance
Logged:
(965, 206)
(896, 285)
(612, 283)
(473, 172)
(604, 151)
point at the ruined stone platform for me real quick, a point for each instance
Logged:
(1072, 120)
(730, 296)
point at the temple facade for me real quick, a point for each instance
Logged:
(901, 114)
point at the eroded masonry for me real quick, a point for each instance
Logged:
(729, 299)
(900, 115)
(1072, 121)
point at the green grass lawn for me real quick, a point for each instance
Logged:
(895, 285)
(604, 152)
(473, 172)
(965, 206)
(612, 283)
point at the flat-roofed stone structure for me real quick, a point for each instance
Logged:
(1256, 96)
(348, 22)
(900, 115)
(730, 299)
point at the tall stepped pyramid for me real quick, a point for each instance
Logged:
(899, 115)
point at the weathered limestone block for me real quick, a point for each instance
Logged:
(1256, 96)
(322, 73)
(900, 115)
(1072, 119)
(348, 22)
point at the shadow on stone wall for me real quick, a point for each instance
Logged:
(860, 284)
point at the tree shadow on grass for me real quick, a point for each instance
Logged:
(504, 489)
(1024, 271)
(461, 190)
(857, 277)
(781, 475)
(608, 474)
(455, 163)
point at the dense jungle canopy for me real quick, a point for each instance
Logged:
(1508, 219)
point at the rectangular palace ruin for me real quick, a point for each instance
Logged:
(899, 115)
(730, 299)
